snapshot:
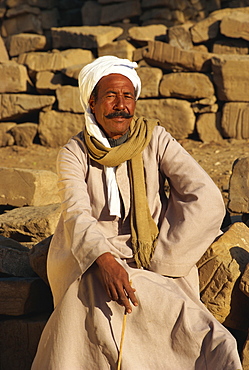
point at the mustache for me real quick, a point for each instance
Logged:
(119, 113)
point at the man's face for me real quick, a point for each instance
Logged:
(114, 105)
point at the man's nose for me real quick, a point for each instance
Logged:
(119, 102)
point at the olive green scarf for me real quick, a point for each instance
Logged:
(144, 231)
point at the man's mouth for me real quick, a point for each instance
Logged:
(117, 114)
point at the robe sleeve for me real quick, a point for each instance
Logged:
(194, 213)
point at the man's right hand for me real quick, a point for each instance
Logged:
(116, 281)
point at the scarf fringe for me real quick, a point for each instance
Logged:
(143, 252)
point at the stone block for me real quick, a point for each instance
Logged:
(85, 37)
(239, 186)
(156, 14)
(187, 85)
(220, 270)
(38, 258)
(25, 42)
(50, 18)
(68, 98)
(20, 24)
(6, 139)
(168, 57)
(151, 32)
(90, 13)
(235, 120)
(244, 281)
(150, 79)
(73, 71)
(205, 105)
(32, 188)
(14, 259)
(121, 49)
(22, 9)
(66, 124)
(179, 36)
(115, 13)
(14, 77)
(231, 77)
(4, 56)
(209, 128)
(47, 82)
(16, 105)
(236, 25)
(24, 133)
(22, 296)
(231, 46)
(175, 115)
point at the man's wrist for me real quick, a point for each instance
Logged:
(104, 258)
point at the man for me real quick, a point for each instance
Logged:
(122, 247)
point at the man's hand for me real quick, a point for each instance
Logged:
(116, 281)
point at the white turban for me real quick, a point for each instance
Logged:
(89, 76)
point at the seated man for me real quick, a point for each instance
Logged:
(123, 247)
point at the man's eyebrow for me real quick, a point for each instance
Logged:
(115, 92)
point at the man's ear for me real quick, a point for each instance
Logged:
(92, 103)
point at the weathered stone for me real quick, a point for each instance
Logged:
(187, 85)
(6, 138)
(21, 296)
(14, 77)
(50, 18)
(73, 71)
(169, 57)
(239, 186)
(47, 81)
(19, 340)
(24, 133)
(91, 12)
(68, 98)
(14, 259)
(30, 224)
(235, 120)
(179, 36)
(45, 4)
(220, 270)
(56, 128)
(115, 13)
(55, 60)
(160, 14)
(231, 46)
(236, 25)
(38, 258)
(208, 127)
(147, 33)
(16, 105)
(245, 355)
(121, 49)
(231, 77)
(150, 79)
(32, 188)
(20, 24)
(85, 37)
(244, 282)
(25, 42)
(175, 115)
(22, 9)
(4, 57)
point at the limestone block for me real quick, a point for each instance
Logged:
(24, 133)
(165, 56)
(159, 14)
(14, 77)
(6, 139)
(73, 71)
(236, 25)
(85, 37)
(20, 24)
(208, 127)
(150, 79)
(231, 46)
(187, 85)
(121, 49)
(31, 187)
(45, 4)
(4, 57)
(17, 105)
(21, 296)
(205, 105)
(56, 128)
(115, 13)
(231, 77)
(30, 224)
(54, 60)
(209, 27)
(50, 18)
(175, 115)
(179, 36)
(19, 340)
(220, 270)
(47, 81)
(90, 13)
(239, 186)
(244, 282)
(245, 355)
(147, 33)
(68, 98)
(14, 259)
(38, 258)
(235, 120)
(25, 42)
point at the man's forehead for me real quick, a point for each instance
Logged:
(115, 80)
